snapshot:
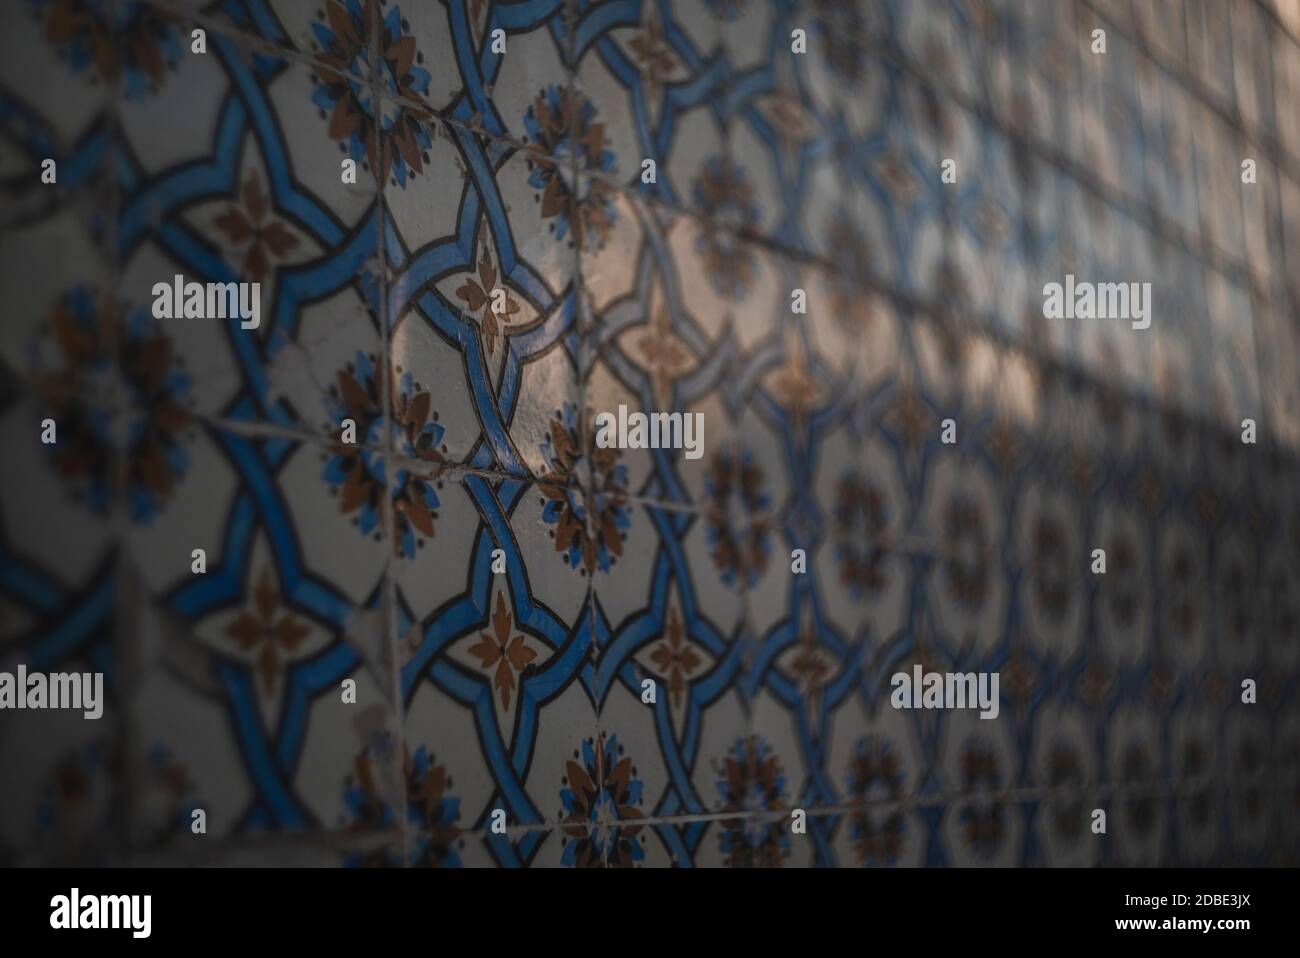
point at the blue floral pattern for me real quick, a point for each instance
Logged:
(468, 612)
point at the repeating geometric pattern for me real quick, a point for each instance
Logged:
(515, 173)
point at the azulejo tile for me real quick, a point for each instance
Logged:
(442, 59)
(651, 77)
(58, 604)
(255, 613)
(369, 650)
(1133, 765)
(257, 172)
(1195, 761)
(855, 556)
(825, 611)
(508, 659)
(1245, 742)
(1051, 561)
(805, 681)
(668, 330)
(484, 289)
(68, 773)
(1064, 763)
(878, 765)
(60, 808)
(755, 831)
(65, 341)
(56, 96)
(670, 662)
(513, 77)
(966, 581)
(978, 765)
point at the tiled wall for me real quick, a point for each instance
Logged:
(502, 268)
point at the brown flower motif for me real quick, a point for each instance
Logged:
(602, 806)
(426, 803)
(653, 55)
(1051, 568)
(140, 452)
(859, 532)
(431, 810)
(1150, 490)
(790, 120)
(1196, 768)
(1065, 775)
(843, 30)
(851, 253)
(357, 469)
(1160, 683)
(393, 133)
(896, 176)
(369, 806)
(477, 294)
(908, 418)
(137, 41)
(508, 655)
(794, 386)
(752, 783)
(664, 355)
(248, 225)
(734, 510)
(1095, 685)
(810, 664)
(984, 820)
(728, 204)
(1004, 447)
(588, 528)
(263, 629)
(564, 125)
(1183, 586)
(967, 540)
(675, 657)
(876, 778)
(1138, 771)
(1020, 677)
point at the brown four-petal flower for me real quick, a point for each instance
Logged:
(508, 655)
(675, 657)
(480, 296)
(262, 629)
(249, 225)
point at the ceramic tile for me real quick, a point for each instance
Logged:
(262, 690)
(502, 656)
(249, 186)
(367, 582)
(651, 78)
(672, 649)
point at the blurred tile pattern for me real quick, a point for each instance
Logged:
(559, 207)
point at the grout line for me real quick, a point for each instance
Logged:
(1158, 226)
(255, 43)
(913, 544)
(1197, 89)
(126, 647)
(1163, 227)
(1278, 24)
(1144, 214)
(1170, 789)
(391, 643)
(585, 366)
(1167, 789)
(923, 309)
(127, 597)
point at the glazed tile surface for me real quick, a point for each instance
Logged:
(476, 225)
